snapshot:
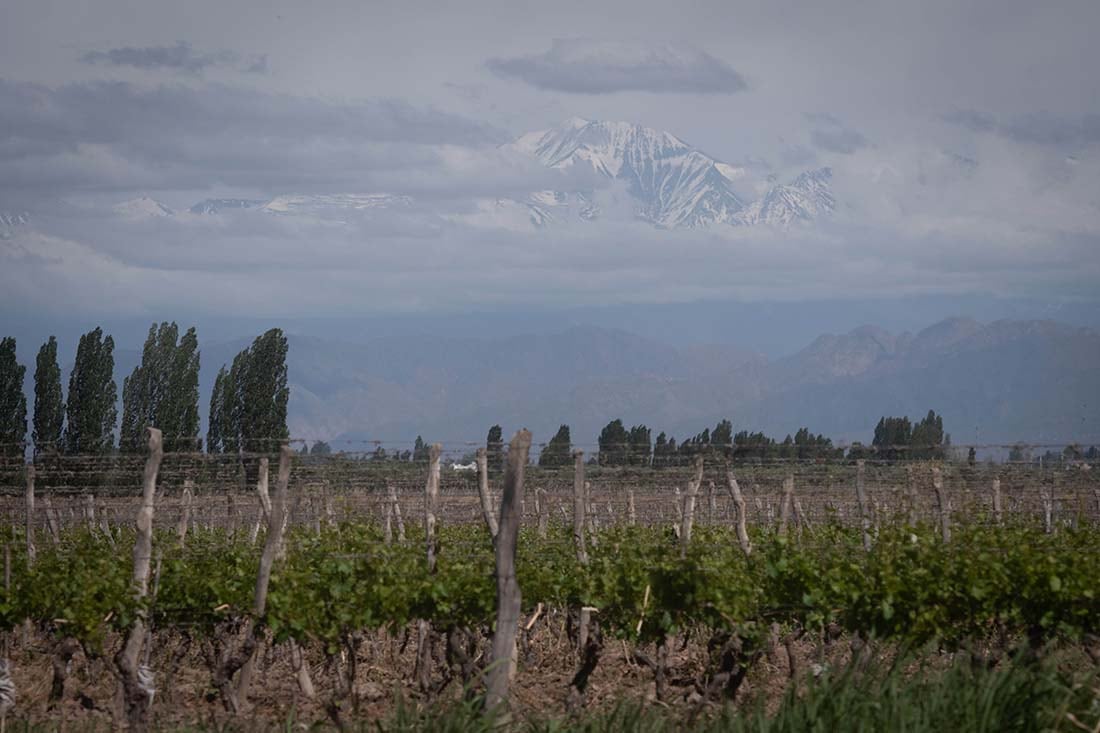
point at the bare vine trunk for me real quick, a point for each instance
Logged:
(137, 678)
(508, 591)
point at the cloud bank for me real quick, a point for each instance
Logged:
(583, 66)
(180, 57)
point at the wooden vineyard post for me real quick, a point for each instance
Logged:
(508, 591)
(689, 506)
(911, 490)
(264, 498)
(739, 505)
(579, 507)
(785, 508)
(483, 492)
(273, 543)
(31, 553)
(943, 505)
(185, 512)
(541, 512)
(997, 500)
(431, 506)
(51, 519)
(89, 511)
(632, 516)
(864, 506)
(137, 679)
(396, 505)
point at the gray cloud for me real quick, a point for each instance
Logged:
(832, 135)
(1038, 128)
(591, 67)
(117, 136)
(180, 57)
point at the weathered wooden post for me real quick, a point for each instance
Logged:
(51, 519)
(785, 509)
(911, 492)
(31, 552)
(273, 546)
(739, 504)
(541, 511)
(508, 591)
(579, 507)
(484, 494)
(397, 513)
(689, 506)
(136, 678)
(864, 507)
(943, 504)
(632, 517)
(185, 511)
(997, 499)
(424, 629)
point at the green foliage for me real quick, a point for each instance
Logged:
(163, 391)
(420, 452)
(988, 583)
(91, 411)
(249, 401)
(215, 432)
(897, 437)
(614, 444)
(49, 406)
(556, 453)
(494, 449)
(13, 403)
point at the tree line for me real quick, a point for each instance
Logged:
(247, 409)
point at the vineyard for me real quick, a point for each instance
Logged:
(175, 589)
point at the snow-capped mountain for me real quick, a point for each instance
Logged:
(216, 206)
(11, 221)
(805, 198)
(667, 182)
(329, 203)
(674, 184)
(142, 207)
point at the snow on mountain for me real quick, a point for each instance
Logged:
(674, 184)
(667, 182)
(318, 204)
(10, 221)
(142, 207)
(216, 206)
(803, 199)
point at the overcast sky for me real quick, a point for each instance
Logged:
(964, 138)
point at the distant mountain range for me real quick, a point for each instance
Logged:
(673, 184)
(1003, 381)
(670, 184)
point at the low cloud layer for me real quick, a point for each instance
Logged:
(179, 57)
(102, 136)
(584, 66)
(1035, 128)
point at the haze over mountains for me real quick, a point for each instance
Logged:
(667, 182)
(1005, 381)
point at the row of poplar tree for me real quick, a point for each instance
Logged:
(247, 408)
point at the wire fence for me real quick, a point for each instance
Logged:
(104, 490)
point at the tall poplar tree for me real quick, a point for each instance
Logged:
(163, 391)
(90, 410)
(555, 454)
(49, 405)
(13, 402)
(249, 403)
(214, 435)
(494, 449)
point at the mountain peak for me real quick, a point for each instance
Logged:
(142, 207)
(674, 183)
